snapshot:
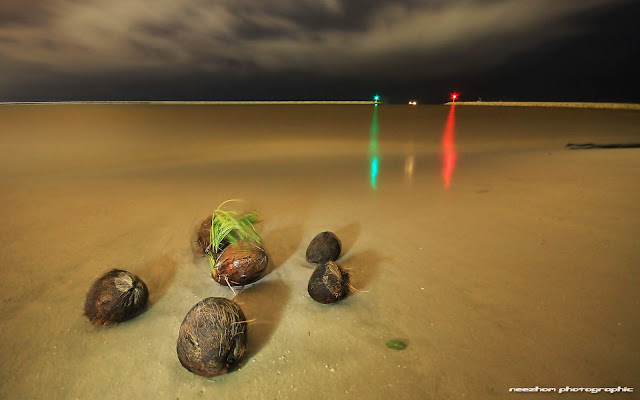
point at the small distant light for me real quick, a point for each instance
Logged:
(413, 103)
(454, 96)
(376, 98)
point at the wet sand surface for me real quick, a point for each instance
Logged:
(501, 258)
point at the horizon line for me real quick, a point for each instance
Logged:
(171, 102)
(600, 105)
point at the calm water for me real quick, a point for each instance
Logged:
(72, 139)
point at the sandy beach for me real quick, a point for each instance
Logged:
(502, 259)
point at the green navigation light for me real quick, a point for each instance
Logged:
(374, 173)
(373, 149)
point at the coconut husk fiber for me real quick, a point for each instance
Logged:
(116, 296)
(328, 283)
(212, 337)
(325, 246)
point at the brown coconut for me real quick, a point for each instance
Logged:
(116, 296)
(328, 283)
(240, 263)
(324, 247)
(212, 337)
(203, 239)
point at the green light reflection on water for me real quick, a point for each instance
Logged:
(373, 148)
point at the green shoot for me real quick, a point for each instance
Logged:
(231, 226)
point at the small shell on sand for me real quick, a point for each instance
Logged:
(116, 296)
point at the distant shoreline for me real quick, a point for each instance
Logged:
(188, 102)
(614, 106)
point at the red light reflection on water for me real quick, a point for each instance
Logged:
(448, 148)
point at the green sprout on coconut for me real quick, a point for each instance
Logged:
(232, 227)
(233, 246)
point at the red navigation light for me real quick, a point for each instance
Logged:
(449, 153)
(454, 96)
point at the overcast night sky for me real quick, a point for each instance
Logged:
(563, 50)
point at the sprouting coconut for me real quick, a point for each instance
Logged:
(116, 296)
(203, 238)
(324, 247)
(224, 227)
(244, 263)
(240, 263)
(212, 337)
(328, 283)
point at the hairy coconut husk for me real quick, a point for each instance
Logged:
(324, 247)
(328, 283)
(212, 337)
(116, 296)
(240, 263)
(203, 239)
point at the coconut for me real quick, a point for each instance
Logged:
(115, 297)
(328, 283)
(324, 247)
(212, 337)
(203, 238)
(240, 263)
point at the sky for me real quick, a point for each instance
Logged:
(536, 50)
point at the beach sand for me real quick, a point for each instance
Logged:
(502, 259)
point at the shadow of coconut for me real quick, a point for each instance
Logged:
(281, 244)
(200, 262)
(362, 267)
(264, 304)
(158, 274)
(196, 247)
(348, 235)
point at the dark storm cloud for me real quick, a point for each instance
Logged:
(333, 38)
(23, 12)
